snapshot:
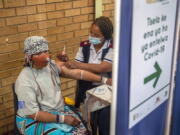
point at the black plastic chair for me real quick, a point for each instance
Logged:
(16, 131)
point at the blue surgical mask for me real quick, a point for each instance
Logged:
(94, 40)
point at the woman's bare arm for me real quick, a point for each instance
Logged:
(82, 74)
(103, 67)
(43, 116)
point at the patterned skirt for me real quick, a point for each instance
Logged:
(29, 126)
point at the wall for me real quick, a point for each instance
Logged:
(62, 22)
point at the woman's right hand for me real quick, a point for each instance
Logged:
(70, 120)
(62, 57)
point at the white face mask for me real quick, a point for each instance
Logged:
(94, 40)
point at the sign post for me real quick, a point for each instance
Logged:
(151, 56)
(144, 59)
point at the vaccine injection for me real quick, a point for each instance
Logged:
(64, 50)
(62, 56)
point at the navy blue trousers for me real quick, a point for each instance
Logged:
(101, 119)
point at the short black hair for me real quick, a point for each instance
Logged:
(105, 25)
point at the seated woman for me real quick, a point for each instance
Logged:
(41, 108)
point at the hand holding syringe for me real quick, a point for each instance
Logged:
(62, 56)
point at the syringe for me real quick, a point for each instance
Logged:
(64, 50)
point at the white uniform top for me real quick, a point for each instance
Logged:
(27, 88)
(95, 57)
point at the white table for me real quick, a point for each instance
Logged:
(96, 98)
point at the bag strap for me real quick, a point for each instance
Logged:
(104, 52)
(86, 53)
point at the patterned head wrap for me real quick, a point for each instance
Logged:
(35, 44)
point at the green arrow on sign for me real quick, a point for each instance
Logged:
(154, 75)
